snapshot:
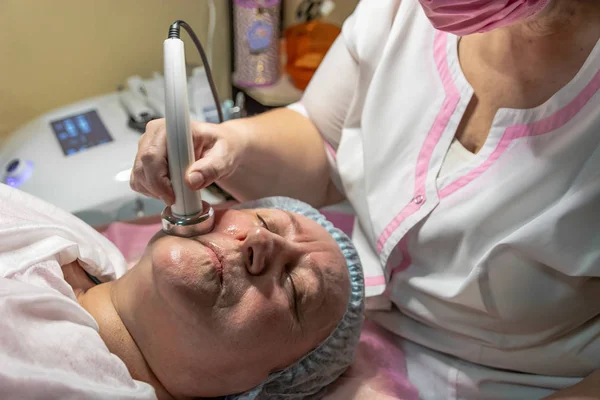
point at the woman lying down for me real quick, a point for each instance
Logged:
(266, 306)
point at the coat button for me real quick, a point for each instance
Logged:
(419, 199)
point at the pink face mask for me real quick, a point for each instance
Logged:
(463, 17)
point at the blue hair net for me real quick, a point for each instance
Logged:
(309, 377)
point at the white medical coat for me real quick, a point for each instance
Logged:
(496, 264)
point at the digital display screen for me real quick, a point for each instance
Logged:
(80, 132)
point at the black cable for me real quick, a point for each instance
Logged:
(174, 33)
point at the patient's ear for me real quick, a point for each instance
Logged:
(76, 277)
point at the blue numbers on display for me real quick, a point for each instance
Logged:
(83, 124)
(80, 132)
(70, 127)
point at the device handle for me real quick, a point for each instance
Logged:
(180, 148)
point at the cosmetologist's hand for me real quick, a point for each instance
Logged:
(218, 150)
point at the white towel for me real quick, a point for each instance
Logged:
(50, 347)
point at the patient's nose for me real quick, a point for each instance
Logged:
(257, 246)
(266, 252)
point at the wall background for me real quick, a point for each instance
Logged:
(56, 52)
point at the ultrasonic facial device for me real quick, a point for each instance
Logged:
(189, 215)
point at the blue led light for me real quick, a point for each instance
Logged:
(12, 166)
(18, 180)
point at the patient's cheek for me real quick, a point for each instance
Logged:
(184, 272)
(257, 314)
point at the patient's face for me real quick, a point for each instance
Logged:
(251, 297)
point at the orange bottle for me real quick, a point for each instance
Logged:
(306, 45)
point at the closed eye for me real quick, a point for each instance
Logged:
(263, 222)
(294, 300)
(294, 297)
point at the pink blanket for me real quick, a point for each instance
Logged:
(379, 371)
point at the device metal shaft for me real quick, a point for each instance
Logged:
(189, 215)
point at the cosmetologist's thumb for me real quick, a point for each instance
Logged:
(204, 172)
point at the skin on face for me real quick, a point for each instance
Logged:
(215, 314)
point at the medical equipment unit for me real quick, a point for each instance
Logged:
(79, 157)
(189, 215)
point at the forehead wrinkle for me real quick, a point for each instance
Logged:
(296, 227)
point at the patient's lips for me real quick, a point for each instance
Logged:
(216, 256)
